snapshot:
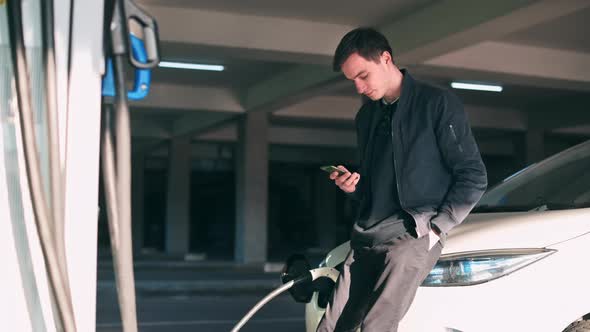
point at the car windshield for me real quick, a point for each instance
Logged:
(559, 182)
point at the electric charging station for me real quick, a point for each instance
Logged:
(63, 99)
(53, 58)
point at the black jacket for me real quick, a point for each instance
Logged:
(439, 172)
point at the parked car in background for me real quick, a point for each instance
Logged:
(519, 262)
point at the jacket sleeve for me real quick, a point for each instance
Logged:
(461, 155)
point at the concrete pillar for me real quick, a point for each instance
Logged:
(534, 145)
(251, 188)
(178, 197)
(137, 201)
(326, 210)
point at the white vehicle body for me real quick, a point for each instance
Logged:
(547, 295)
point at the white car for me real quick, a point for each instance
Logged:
(519, 262)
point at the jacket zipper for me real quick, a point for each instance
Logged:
(455, 138)
(399, 193)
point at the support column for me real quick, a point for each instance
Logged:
(251, 188)
(137, 201)
(178, 197)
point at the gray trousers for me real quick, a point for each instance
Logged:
(377, 285)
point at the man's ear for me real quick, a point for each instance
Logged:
(386, 57)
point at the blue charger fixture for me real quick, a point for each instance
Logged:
(141, 85)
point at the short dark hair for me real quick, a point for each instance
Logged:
(367, 42)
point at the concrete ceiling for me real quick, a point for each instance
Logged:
(277, 56)
(346, 12)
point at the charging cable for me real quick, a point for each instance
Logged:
(322, 272)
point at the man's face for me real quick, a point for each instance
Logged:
(370, 78)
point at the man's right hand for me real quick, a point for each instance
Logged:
(346, 182)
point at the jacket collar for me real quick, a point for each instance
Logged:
(408, 84)
(404, 99)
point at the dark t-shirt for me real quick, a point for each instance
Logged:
(382, 218)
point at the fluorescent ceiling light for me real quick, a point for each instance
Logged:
(476, 86)
(194, 66)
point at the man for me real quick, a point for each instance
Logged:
(420, 175)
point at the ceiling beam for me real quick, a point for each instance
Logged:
(193, 124)
(345, 108)
(434, 33)
(480, 118)
(186, 98)
(583, 130)
(454, 73)
(289, 87)
(143, 127)
(521, 60)
(284, 135)
(323, 107)
(294, 38)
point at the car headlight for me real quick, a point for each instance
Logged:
(476, 267)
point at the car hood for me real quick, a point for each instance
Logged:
(535, 229)
(485, 231)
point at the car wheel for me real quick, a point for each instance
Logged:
(579, 326)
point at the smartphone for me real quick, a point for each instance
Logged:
(331, 169)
